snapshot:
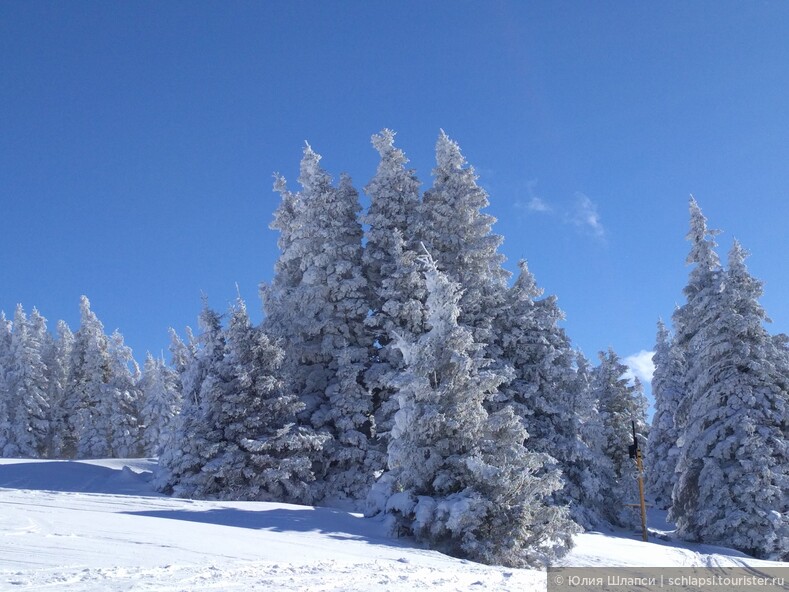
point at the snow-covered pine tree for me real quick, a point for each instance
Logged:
(87, 435)
(317, 306)
(186, 453)
(546, 392)
(121, 400)
(403, 311)
(58, 359)
(460, 237)
(278, 453)
(701, 292)
(283, 298)
(667, 390)
(460, 478)
(260, 454)
(619, 403)
(733, 467)
(395, 284)
(30, 429)
(293, 242)
(182, 354)
(161, 397)
(6, 441)
(584, 483)
(224, 410)
(394, 206)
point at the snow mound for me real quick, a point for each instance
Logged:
(111, 477)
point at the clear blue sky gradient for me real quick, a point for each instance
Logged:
(138, 142)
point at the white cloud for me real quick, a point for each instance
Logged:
(640, 366)
(537, 204)
(585, 215)
(581, 212)
(534, 203)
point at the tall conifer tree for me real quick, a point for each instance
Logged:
(263, 455)
(620, 403)
(87, 435)
(161, 403)
(58, 362)
(460, 238)
(317, 305)
(734, 460)
(192, 444)
(122, 399)
(667, 390)
(547, 391)
(30, 388)
(395, 284)
(6, 441)
(459, 477)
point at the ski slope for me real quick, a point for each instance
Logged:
(98, 526)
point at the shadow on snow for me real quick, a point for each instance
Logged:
(335, 524)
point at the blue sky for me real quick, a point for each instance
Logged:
(139, 140)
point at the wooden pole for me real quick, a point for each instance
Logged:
(635, 453)
(640, 466)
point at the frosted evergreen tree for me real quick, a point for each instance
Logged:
(701, 292)
(161, 396)
(403, 311)
(57, 358)
(584, 481)
(121, 400)
(87, 434)
(190, 447)
(278, 453)
(224, 410)
(460, 478)
(392, 219)
(522, 338)
(290, 290)
(6, 442)
(346, 411)
(733, 467)
(667, 390)
(395, 284)
(30, 428)
(257, 451)
(182, 355)
(620, 403)
(394, 207)
(547, 390)
(317, 305)
(460, 237)
(293, 243)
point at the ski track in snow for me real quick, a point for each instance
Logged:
(97, 526)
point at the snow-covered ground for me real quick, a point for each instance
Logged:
(98, 526)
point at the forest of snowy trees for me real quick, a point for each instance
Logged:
(79, 395)
(399, 370)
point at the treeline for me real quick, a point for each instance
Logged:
(79, 395)
(399, 369)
